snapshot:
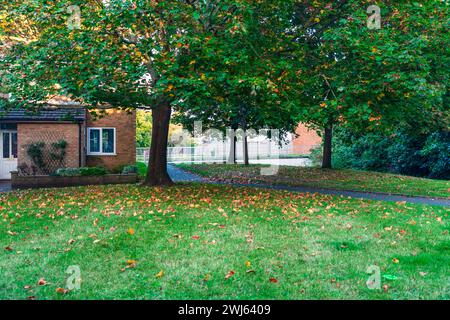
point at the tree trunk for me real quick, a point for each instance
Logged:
(245, 145)
(157, 164)
(327, 147)
(232, 155)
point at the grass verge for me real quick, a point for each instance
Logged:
(218, 242)
(325, 178)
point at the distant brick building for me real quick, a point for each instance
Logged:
(306, 140)
(109, 141)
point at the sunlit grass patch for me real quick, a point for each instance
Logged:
(203, 242)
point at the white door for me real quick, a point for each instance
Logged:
(8, 153)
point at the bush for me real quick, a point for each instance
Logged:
(424, 156)
(67, 172)
(436, 153)
(84, 171)
(129, 169)
(93, 171)
(142, 169)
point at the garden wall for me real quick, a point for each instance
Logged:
(26, 182)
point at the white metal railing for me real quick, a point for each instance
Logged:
(219, 152)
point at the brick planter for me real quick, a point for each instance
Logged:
(27, 182)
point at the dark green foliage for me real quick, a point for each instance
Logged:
(424, 155)
(36, 153)
(130, 169)
(60, 150)
(141, 168)
(84, 171)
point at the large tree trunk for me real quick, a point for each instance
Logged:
(157, 164)
(232, 155)
(245, 146)
(327, 147)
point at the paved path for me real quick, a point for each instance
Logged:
(179, 175)
(5, 186)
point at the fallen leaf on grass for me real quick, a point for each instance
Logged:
(195, 237)
(42, 282)
(131, 263)
(131, 231)
(160, 274)
(8, 248)
(61, 290)
(248, 264)
(229, 274)
(395, 260)
(273, 280)
(71, 241)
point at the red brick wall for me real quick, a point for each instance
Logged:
(48, 132)
(125, 124)
(306, 141)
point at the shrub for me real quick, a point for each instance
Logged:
(142, 169)
(84, 171)
(68, 172)
(130, 169)
(436, 153)
(93, 171)
(425, 156)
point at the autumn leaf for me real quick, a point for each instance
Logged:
(42, 282)
(61, 290)
(395, 260)
(131, 231)
(229, 274)
(273, 280)
(248, 264)
(195, 237)
(160, 274)
(131, 263)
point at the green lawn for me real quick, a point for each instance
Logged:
(332, 179)
(134, 242)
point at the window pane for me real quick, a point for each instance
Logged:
(108, 141)
(14, 144)
(5, 141)
(94, 140)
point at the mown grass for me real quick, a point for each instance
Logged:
(184, 240)
(325, 178)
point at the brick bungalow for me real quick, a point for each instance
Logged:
(108, 141)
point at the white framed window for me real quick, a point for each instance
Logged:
(101, 141)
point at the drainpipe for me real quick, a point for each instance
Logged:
(79, 145)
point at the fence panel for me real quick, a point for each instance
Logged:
(218, 152)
